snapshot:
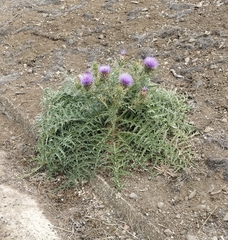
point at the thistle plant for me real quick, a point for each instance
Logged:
(112, 120)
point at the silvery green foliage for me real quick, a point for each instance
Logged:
(107, 127)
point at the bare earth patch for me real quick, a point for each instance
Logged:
(21, 218)
(43, 41)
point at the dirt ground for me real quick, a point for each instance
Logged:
(43, 41)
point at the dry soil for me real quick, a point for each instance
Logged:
(43, 41)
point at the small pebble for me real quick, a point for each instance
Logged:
(208, 129)
(192, 194)
(224, 120)
(192, 40)
(187, 59)
(214, 238)
(225, 219)
(216, 192)
(133, 196)
(191, 237)
(201, 207)
(160, 205)
(168, 232)
(211, 188)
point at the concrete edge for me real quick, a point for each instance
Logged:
(122, 208)
(7, 107)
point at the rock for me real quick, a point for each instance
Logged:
(45, 15)
(101, 36)
(146, 51)
(225, 219)
(211, 188)
(192, 194)
(160, 205)
(207, 33)
(214, 238)
(208, 129)
(9, 78)
(224, 120)
(168, 232)
(187, 59)
(192, 40)
(175, 74)
(191, 237)
(199, 5)
(201, 207)
(216, 192)
(199, 83)
(126, 227)
(133, 196)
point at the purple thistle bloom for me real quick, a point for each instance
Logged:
(126, 79)
(144, 91)
(104, 69)
(86, 79)
(150, 62)
(123, 53)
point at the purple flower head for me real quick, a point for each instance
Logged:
(150, 62)
(86, 78)
(126, 79)
(123, 53)
(144, 91)
(104, 69)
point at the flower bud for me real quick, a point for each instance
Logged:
(144, 91)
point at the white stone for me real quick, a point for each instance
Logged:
(160, 205)
(168, 232)
(191, 237)
(133, 196)
(225, 219)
